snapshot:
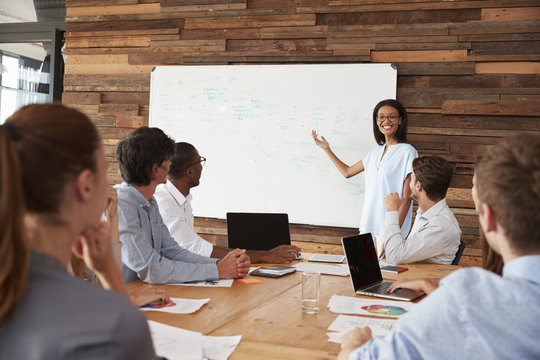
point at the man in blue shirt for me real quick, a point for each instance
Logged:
(149, 252)
(476, 314)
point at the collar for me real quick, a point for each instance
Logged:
(135, 195)
(434, 210)
(525, 267)
(43, 262)
(176, 194)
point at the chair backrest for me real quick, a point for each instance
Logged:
(459, 252)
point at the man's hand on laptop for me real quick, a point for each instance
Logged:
(426, 285)
(282, 254)
(234, 265)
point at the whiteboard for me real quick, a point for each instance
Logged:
(253, 124)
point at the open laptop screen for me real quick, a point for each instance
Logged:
(362, 260)
(257, 231)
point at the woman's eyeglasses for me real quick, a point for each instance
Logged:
(391, 118)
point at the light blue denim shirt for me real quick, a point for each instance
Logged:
(149, 252)
(474, 314)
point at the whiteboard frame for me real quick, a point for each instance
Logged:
(227, 182)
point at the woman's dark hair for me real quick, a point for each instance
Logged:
(137, 154)
(41, 148)
(401, 133)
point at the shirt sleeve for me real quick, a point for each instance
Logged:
(436, 326)
(172, 250)
(413, 154)
(182, 232)
(186, 237)
(168, 264)
(429, 241)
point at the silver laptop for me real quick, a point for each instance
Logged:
(366, 275)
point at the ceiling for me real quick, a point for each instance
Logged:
(31, 10)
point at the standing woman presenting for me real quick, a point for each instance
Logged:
(387, 167)
(53, 190)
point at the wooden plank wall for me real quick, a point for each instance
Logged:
(468, 71)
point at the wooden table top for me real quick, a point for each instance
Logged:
(269, 315)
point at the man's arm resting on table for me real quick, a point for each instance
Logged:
(353, 340)
(156, 267)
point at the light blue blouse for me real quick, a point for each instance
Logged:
(382, 177)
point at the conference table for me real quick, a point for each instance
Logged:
(269, 315)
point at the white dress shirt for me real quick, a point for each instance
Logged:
(177, 214)
(434, 237)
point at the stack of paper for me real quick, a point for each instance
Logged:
(367, 306)
(344, 323)
(179, 344)
(340, 270)
(182, 306)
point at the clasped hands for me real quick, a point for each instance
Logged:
(234, 265)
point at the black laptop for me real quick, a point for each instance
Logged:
(257, 231)
(366, 275)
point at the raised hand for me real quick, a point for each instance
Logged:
(112, 207)
(94, 247)
(392, 202)
(322, 143)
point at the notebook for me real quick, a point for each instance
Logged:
(366, 275)
(257, 231)
(274, 271)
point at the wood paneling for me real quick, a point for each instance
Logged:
(399, 17)
(468, 71)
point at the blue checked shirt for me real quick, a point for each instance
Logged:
(149, 252)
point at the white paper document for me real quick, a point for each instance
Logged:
(180, 344)
(209, 283)
(343, 323)
(219, 347)
(327, 258)
(183, 306)
(340, 270)
(366, 306)
(175, 343)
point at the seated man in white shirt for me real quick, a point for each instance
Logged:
(435, 235)
(174, 200)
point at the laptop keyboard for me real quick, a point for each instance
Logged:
(381, 288)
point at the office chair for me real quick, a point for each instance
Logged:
(459, 252)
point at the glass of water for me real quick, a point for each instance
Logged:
(311, 289)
